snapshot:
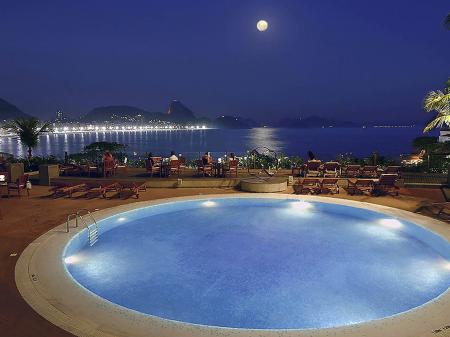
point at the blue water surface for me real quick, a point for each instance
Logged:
(262, 263)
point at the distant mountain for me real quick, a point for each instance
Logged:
(314, 122)
(9, 111)
(179, 113)
(121, 113)
(233, 122)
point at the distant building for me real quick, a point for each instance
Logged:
(444, 136)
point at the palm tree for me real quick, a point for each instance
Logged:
(28, 130)
(438, 101)
(447, 21)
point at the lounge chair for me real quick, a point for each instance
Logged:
(204, 169)
(360, 186)
(313, 168)
(19, 185)
(133, 187)
(331, 169)
(101, 189)
(392, 170)
(307, 185)
(66, 189)
(386, 184)
(352, 171)
(329, 185)
(369, 172)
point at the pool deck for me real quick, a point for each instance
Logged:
(22, 221)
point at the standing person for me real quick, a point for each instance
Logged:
(66, 158)
(173, 156)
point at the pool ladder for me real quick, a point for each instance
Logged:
(93, 233)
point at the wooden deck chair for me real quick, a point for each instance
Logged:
(307, 185)
(329, 185)
(387, 184)
(360, 186)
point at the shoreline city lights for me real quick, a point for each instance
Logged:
(125, 128)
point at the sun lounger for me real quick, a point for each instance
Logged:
(19, 185)
(360, 186)
(133, 187)
(331, 169)
(329, 185)
(101, 189)
(313, 168)
(352, 171)
(392, 170)
(369, 172)
(66, 189)
(307, 185)
(386, 184)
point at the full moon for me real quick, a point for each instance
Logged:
(262, 25)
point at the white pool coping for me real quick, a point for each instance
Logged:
(47, 287)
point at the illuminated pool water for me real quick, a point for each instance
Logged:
(261, 263)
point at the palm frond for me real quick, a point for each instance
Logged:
(436, 100)
(438, 122)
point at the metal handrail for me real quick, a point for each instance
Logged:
(81, 217)
(77, 216)
(68, 220)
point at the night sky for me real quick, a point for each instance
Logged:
(350, 60)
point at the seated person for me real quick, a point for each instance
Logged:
(207, 158)
(231, 157)
(173, 156)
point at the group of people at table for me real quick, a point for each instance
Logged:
(206, 166)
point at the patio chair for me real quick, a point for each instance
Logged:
(313, 168)
(231, 168)
(352, 171)
(108, 168)
(386, 184)
(204, 169)
(331, 169)
(121, 167)
(155, 168)
(360, 186)
(174, 168)
(369, 172)
(133, 187)
(307, 185)
(19, 185)
(182, 162)
(66, 189)
(92, 168)
(329, 185)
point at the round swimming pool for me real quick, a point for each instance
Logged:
(261, 263)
